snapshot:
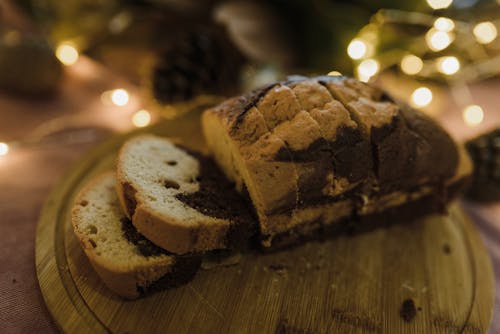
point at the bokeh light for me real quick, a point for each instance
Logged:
(421, 97)
(67, 53)
(485, 32)
(473, 115)
(411, 64)
(119, 97)
(357, 49)
(437, 40)
(448, 65)
(4, 149)
(439, 4)
(444, 24)
(141, 118)
(368, 68)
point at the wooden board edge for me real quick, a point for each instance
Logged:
(484, 295)
(50, 256)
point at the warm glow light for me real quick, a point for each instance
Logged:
(473, 115)
(439, 4)
(363, 78)
(485, 32)
(367, 68)
(119, 97)
(12, 37)
(437, 40)
(411, 64)
(444, 24)
(141, 118)
(335, 74)
(448, 65)
(421, 97)
(4, 149)
(67, 53)
(357, 49)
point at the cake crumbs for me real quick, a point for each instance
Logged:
(408, 310)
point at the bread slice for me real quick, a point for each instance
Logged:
(178, 199)
(382, 153)
(250, 158)
(128, 263)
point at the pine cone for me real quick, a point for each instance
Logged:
(198, 62)
(485, 153)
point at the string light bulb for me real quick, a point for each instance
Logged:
(334, 74)
(485, 32)
(357, 49)
(67, 53)
(473, 115)
(141, 118)
(437, 40)
(119, 97)
(439, 4)
(444, 24)
(448, 65)
(368, 68)
(4, 149)
(411, 64)
(421, 97)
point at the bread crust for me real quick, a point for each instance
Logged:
(122, 278)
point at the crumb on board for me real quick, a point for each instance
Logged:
(446, 249)
(408, 310)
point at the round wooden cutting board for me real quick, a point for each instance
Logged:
(429, 276)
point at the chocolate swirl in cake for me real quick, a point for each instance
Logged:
(144, 246)
(217, 197)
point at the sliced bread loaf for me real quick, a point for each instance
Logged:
(178, 199)
(129, 264)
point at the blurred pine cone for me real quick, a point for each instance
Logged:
(199, 62)
(485, 153)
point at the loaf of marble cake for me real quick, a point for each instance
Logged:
(313, 152)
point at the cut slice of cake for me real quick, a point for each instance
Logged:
(255, 154)
(179, 199)
(128, 264)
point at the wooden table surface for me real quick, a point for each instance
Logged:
(28, 174)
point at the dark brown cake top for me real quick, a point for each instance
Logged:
(382, 139)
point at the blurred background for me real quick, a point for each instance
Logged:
(75, 72)
(177, 53)
(72, 72)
